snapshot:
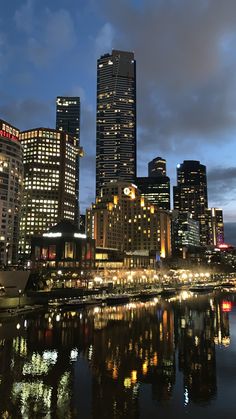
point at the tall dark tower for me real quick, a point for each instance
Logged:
(68, 120)
(116, 118)
(157, 167)
(156, 187)
(190, 194)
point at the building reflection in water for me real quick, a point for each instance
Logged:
(93, 363)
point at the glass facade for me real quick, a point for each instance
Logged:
(49, 181)
(68, 120)
(156, 190)
(215, 226)
(190, 194)
(185, 231)
(116, 118)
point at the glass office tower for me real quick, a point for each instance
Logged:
(50, 158)
(190, 194)
(116, 118)
(68, 120)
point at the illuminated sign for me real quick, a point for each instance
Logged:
(223, 246)
(52, 234)
(226, 306)
(127, 191)
(80, 236)
(8, 131)
(8, 135)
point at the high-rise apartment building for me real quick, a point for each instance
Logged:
(157, 167)
(116, 118)
(122, 219)
(68, 120)
(215, 226)
(11, 188)
(190, 194)
(50, 158)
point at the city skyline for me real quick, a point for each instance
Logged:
(185, 113)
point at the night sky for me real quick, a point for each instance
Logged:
(186, 78)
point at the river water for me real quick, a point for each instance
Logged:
(156, 359)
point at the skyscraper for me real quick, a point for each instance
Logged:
(185, 232)
(116, 118)
(156, 190)
(156, 187)
(68, 115)
(11, 188)
(157, 167)
(215, 226)
(190, 194)
(50, 158)
(68, 120)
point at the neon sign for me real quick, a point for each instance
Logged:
(8, 135)
(226, 306)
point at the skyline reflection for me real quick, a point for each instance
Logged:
(105, 361)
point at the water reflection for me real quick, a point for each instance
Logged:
(100, 362)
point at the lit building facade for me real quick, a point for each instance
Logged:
(215, 226)
(190, 194)
(50, 158)
(116, 118)
(156, 190)
(11, 188)
(156, 187)
(68, 120)
(185, 231)
(122, 219)
(63, 247)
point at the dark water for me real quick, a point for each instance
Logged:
(144, 360)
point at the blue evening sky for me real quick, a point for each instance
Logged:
(186, 78)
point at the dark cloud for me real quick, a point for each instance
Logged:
(26, 114)
(185, 68)
(220, 174)
(222, 189)
(230, 233)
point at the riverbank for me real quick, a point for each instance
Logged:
(72, 298)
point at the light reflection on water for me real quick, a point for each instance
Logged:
(152, 359)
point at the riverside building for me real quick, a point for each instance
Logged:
(185, 232)
(215, 226)
(156, 186)
(50, 158)
(122, 219)
(190, 194)
(116, 119)
(68, 120)
(11, 187)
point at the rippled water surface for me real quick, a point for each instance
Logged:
(159, 359)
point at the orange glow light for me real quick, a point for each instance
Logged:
(226, 306)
